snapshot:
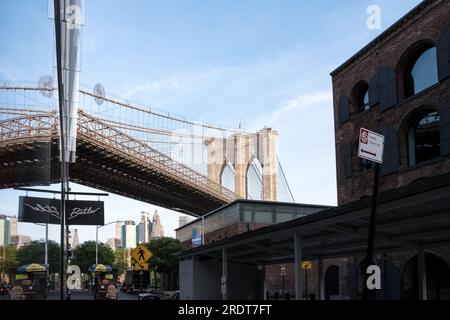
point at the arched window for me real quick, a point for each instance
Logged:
(421, 71)
(424, 138)
(363, 99)
(360, 98)
(227, 178)
(331, 282)
(254, 180)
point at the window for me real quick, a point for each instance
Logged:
(421, 72)
(264, 217)
(360, 100)
(424, 138)
(363, 100)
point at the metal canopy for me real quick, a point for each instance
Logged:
(413, 217)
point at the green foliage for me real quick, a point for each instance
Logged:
(34, 252)
(84, 255)
(165, 256)
(8, 256)
(120, 260)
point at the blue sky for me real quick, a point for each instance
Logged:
(226, 62)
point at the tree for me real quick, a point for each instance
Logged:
(165, 260)
(8, 256)
(84, 255)
(34, 252)
(120, 260)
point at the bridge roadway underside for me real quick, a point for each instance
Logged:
(30, 163)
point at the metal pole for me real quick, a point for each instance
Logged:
(224, 280)
(46, 245)
(57, 12)
(422, 274)
(96, 245)
(298, 266)
(371, 240)
(203, 230)
(306, 284)
(320, 274)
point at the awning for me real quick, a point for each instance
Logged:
(413, 217)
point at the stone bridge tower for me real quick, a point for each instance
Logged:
(238, 152)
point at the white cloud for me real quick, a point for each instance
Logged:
(304, 102)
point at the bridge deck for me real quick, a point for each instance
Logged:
(107, 159)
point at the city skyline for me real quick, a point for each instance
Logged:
(86, 233)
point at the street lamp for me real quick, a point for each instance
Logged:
(96, 238)
(46, 242)
(197, 216)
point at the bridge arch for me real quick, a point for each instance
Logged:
(254, 179)
(240, 150)
(227, 176)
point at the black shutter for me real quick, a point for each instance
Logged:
(445, 129)
(387, 82)
(374, 90)
(343, 109)
(443, 54)
(390, 153)
(347, 153)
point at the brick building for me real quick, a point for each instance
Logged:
(397, 85)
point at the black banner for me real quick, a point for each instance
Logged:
(44, 210)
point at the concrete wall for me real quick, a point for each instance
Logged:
(200, 280)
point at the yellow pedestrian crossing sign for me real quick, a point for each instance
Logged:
(141, 266)
(141, 254)
(306, 265)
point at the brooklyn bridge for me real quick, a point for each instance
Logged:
(137, 152)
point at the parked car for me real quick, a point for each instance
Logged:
(172, 295)
(149, 296)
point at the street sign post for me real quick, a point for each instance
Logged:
(141, 254)
(371, 147)
(307, 265)
(141, 266)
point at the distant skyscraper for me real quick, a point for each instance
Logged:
(182, 220)
(144, 228)
(13, 222)
(118, 230)
(157, 227)
(111, 243)
(4, 231)
(20, 240)
(73, 238)
(129, 233)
